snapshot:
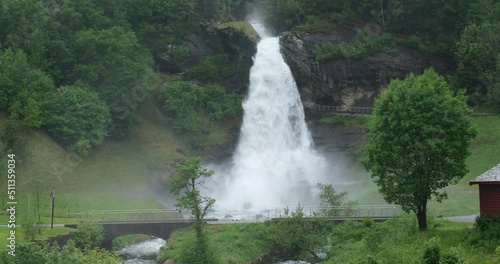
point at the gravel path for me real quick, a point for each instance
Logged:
(463, 218)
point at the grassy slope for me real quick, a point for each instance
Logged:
(485, 154)
(117, 175)
(463, 199)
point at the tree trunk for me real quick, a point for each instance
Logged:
(422, 216)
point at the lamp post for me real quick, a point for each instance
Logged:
(52, 197)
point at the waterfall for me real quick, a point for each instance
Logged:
(274, 164)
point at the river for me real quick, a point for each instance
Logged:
(142, 253)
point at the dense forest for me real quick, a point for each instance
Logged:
(80, 69)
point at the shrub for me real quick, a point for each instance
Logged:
(178, 53)
(32, 229)
(315, 24)
(363, 45)
(75, 116)
(413, 42)
(187, 103)
(485, 233)
(432, 252)
(29, 253)
(453, 256)
(89, 236)
(299, 237)
(368, 222)
(213, 68)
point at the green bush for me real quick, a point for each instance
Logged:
(363, 45)
(299, 237)
(32, 229)
(188, 103)
(89, 236)
(177, 54)
(485, 233)
(76, 117)
(28, 253)
(315, 24)
(413, 42)
(368, 222)
(453, 256)
(213, 68)
(432, 252)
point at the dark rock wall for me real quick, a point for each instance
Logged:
(207, 41)
(349, 82)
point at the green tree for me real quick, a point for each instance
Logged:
(75, 116)
(27, 110)
(418, 143)
(159, 23)
(299, 237)
(330, 198)
(115, 65)
(185, 185)
(89, 236)
(432, 252)
(477, 53)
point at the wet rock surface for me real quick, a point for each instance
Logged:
(349, 82)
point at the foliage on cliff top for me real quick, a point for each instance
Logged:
(364, 44)
(242, 27)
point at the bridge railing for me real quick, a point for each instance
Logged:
(339, 109)
(382, 211)
(126, 215)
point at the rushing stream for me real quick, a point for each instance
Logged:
(142, 253)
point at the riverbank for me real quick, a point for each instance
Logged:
(394, 241)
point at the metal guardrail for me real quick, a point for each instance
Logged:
(343, 211)
(338, 109)
(115, 215)
(357, 211)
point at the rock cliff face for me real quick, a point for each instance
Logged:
(209, 40)
(349, 82)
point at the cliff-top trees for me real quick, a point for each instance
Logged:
(419, 138)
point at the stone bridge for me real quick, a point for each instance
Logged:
(160, 228)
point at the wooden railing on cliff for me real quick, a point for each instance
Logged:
(331, 109)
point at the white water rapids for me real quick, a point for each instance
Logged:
(275, 164)
(144, 252)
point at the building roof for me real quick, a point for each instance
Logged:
(489, 177)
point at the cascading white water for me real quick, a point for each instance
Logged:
(144, 252)
(274, 164)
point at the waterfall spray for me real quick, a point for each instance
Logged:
(275, 163)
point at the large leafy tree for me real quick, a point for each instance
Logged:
(22, 88)
(114, 64)
(477, 53)
(186, 185)
(418, 143)
(76, 117)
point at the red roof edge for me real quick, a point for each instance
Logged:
(483, 182)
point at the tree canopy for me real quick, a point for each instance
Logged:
(117, 67)
(76, 117)
(418, 143)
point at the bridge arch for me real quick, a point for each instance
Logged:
(160, 229)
